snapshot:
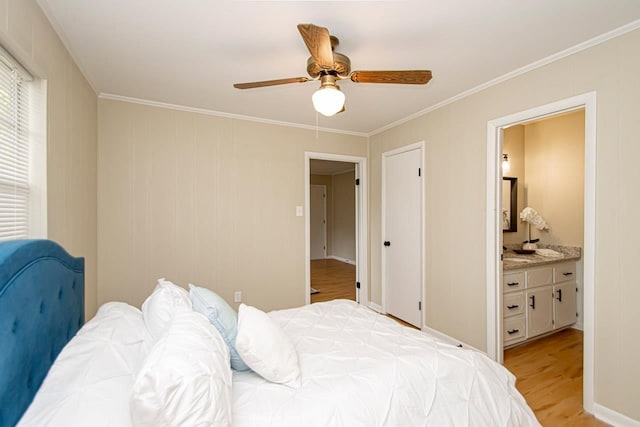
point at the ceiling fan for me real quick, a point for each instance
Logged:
(329, 66)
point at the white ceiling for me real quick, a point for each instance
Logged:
(190, 52)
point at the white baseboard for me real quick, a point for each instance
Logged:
(448, 339)
(337, 258)
(578, 326)
(612, 417)
(375, 307)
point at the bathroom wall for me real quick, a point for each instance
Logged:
(513, 146)
(554, 177)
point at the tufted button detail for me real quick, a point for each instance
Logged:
(73, 285)
(29, 382)
(41, 307)
(14, 327)
(60, 294)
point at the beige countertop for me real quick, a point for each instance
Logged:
(514, 261)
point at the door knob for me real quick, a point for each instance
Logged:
(387, 243)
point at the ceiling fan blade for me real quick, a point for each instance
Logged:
(410, 77)
(252, 85)
(319, 44)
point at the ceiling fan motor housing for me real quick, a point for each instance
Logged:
(341, 66)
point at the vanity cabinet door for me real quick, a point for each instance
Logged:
(564, 304)
(539, 311)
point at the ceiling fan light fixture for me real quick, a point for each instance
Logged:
(329, 99)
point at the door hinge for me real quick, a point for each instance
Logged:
(324, 222)
(357, 181)
(357, 285)
(553, 322)
(420, 305)
(419, 172)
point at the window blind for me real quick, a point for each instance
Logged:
(14, 153)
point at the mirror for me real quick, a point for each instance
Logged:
(509, 204)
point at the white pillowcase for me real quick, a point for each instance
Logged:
(186, 378)
(89, 382)
(265, 348)
(160, 307)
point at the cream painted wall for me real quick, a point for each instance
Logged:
(71, 133)
(456, 208)
(203, 199)
(554, 177)
(513, 145)
(326, 181)
(344, 216)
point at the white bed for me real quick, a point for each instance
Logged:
(358, 368)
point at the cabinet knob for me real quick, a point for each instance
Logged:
(533, 302)
(567, 273)
(513, 331)
(387, 243)
(559, 298)
(513, 284)
(511, 307)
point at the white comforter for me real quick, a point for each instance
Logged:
(358, 368)
(362, 369)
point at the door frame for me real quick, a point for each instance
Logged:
(495, 348)
(420, 145)
(324, 209)
(362, 294)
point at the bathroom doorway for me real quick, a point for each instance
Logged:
(495, 301)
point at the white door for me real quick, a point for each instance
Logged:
(402, 234)
(318, 221)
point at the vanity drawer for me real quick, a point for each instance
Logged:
(514, 330)
(539, 277)
(513, 304)
(564, 272)
(513, 281)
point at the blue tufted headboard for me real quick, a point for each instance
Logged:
(41, 309)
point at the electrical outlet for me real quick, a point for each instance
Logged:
(237, 296)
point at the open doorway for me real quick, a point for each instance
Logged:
(335, 202)
(503, 292)
(332, 214)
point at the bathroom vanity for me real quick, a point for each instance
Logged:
(539, 296)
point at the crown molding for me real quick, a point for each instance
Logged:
(205, 111)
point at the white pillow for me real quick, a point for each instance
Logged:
(160, 307)
(265, 347)
(186, 378)
(90, 381)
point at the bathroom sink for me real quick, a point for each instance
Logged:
(517, 259)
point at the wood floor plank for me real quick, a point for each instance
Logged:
(333, 279)
(549, 373)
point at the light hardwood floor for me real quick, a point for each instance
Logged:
(334, 279)
(549, 373)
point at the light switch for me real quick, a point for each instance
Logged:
(237, 296)
(299, 211)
